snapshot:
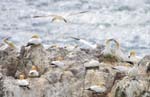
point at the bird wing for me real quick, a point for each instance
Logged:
(81, 12)
(85, 42)
(121, 68)
(59, 18)
(45, 16)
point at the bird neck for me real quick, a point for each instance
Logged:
(10, 44)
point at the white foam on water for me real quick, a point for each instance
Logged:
(124, 20)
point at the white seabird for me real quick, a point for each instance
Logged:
(93, 46)
(92, 63)
(58, 63)
(134, 58)
(22, 81)
(33, 72)
(60, 17)
(124, 69)
(35, 40)
(97, 89)
(112, 48)
(7, 44)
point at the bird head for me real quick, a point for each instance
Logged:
(59, 58)
(127, 65)
(101, 84)
(117, 45)
(35, 36)
(132, 53)
(34, 68)
(22, 76)
(9, 43)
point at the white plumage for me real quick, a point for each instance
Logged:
(93, 46)
(92, 63)
(33, 73)
(22, 82)
(112, 47)
(35, 41)
(134, 71)
(97, 89)
(135, 59)
(58, 63)
(124, 69)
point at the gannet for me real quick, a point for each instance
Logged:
(133, 58)
(97, 88)
(35, 40)
(54, 18)
(8, 43)
(33, 72)
(58, 63)
(113, 50)
(22, 81)
(93, 46)
(92, 63)
(124, 69)
(60, 17)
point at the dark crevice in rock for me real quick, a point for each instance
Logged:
(1, 87)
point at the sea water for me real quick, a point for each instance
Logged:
(127, 21)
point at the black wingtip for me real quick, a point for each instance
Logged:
(130, 62)
(36, 16)
(75, 38)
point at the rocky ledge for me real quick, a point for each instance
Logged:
(70, 72)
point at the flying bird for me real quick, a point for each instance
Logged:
(60, 17)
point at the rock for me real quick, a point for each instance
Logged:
(57, 52)
(92, 63)
(1, 86)
(33, 55)
(129, 87)
(36, 88)
(8, 61)
(137, 86)
(79, 71)
(53, 76)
